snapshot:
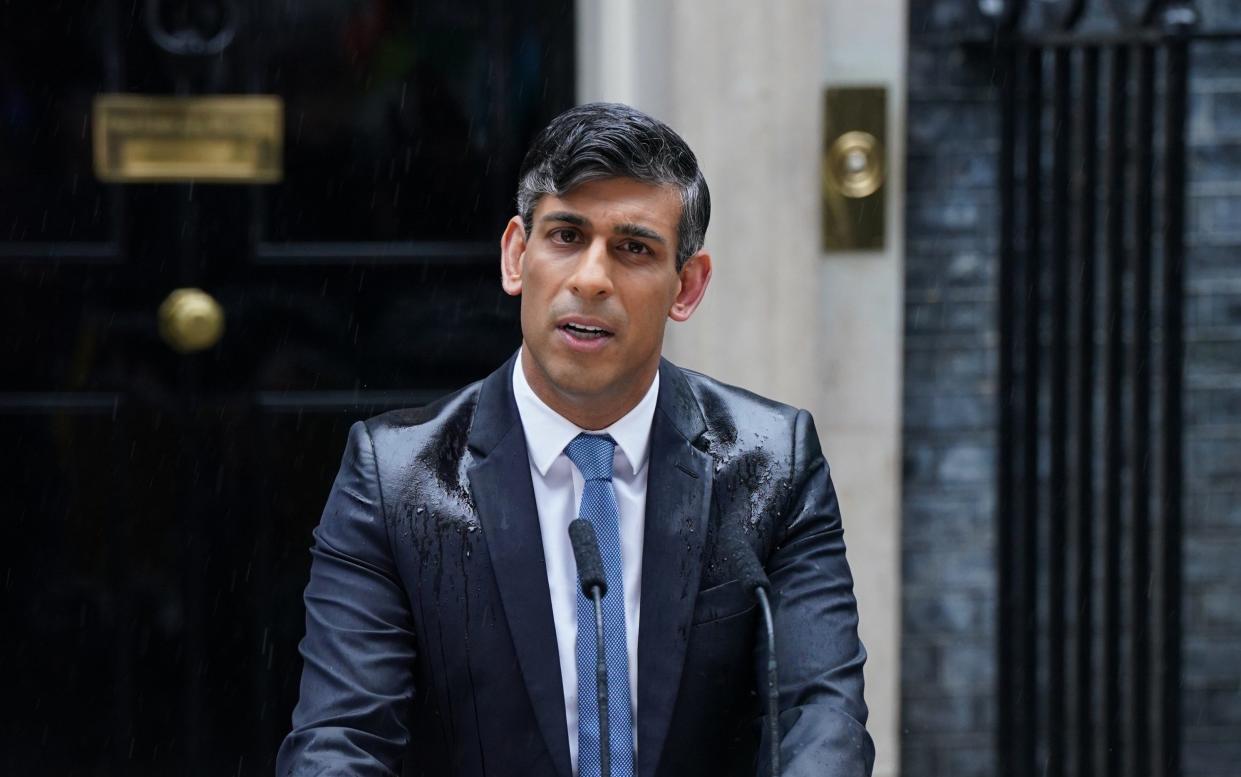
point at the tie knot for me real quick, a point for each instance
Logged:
(592, 453)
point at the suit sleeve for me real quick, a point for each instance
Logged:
(358, 652)
(823, 714)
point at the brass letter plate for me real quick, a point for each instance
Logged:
(855, 168)
(214, 139)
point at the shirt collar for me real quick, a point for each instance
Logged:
(547, 432)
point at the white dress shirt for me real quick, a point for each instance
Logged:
(558, 493)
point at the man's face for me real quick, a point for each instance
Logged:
(598, 281)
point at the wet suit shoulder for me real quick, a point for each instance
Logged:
(771, 481)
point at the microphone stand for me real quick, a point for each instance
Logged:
(594, 585)
(601, 687)
(773, 693)
(752, 578)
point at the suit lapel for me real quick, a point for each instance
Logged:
(504, 497)
(678, 498)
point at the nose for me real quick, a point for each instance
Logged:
(591, 276)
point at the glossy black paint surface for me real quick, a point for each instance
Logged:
(158, 506)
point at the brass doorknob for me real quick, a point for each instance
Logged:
(190, 320)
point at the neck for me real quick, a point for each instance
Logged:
(590, 412)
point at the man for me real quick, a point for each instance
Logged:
(445, 632)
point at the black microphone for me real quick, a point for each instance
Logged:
(594, 585)
(752, 578)
(589, 564)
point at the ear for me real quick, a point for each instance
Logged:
(695, 276)
(512, 255)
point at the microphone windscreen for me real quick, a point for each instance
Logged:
(586, 552)
(745, 564)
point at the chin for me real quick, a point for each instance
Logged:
(577, 380)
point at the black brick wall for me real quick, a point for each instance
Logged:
(949, 587)
(1212, 694)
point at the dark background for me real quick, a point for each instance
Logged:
(157, 507)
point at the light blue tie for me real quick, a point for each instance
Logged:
(592, 454)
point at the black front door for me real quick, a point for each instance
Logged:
(157, 504)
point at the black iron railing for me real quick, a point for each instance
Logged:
(1090, 386)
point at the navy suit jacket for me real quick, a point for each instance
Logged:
(430, 647)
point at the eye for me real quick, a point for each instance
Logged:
(564, 235)
(634, 247)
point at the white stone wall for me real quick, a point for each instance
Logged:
(743, 82)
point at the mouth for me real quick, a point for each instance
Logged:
(580, 330)
(585, 335)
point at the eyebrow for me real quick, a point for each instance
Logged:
(565, 216)
(636, 230)
(629, 230)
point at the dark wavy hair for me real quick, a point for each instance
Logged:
(611, 140)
